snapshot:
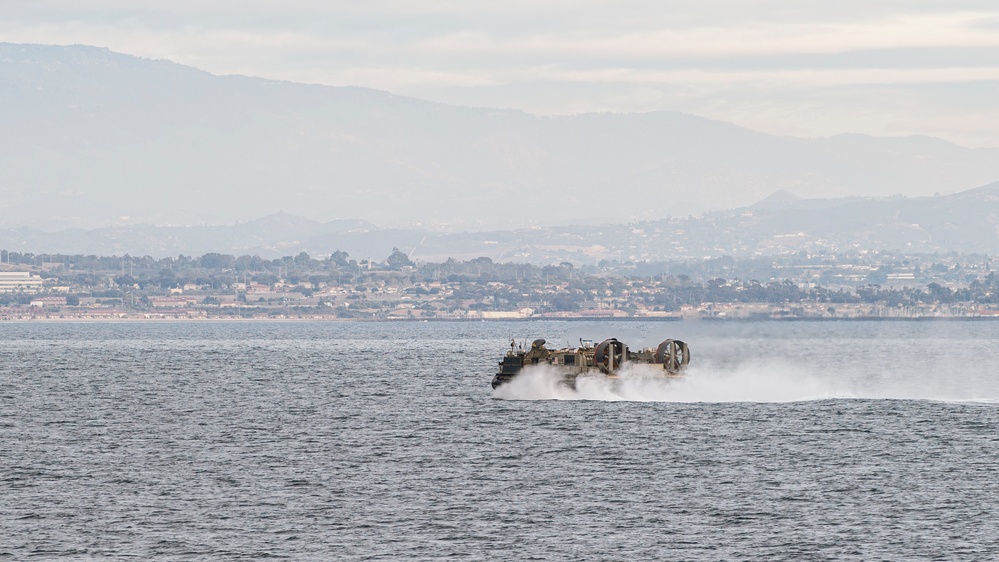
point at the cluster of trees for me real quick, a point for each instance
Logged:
(213, 269)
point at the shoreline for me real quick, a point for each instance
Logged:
(713, 320)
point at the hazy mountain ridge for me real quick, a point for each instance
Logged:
(966, 222)
(89, 138)
(963, 222)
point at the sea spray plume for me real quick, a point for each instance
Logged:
(537, 382)
(770, 381)
(764, 381)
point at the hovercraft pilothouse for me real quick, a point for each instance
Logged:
(604, 359)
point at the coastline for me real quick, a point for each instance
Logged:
(310, 319)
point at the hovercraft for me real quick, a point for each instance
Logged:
(605, 359)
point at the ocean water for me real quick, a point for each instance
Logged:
(384, 441)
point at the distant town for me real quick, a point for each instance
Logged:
(792, 286)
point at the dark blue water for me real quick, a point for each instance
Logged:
(318, 441)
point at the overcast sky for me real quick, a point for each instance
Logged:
(795, 67)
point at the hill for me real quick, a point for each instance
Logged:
(92, 138)
(966, 222)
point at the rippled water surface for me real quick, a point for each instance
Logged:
(839, 440)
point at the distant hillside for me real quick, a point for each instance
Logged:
(966, 222)
(89, 137)
(963, 222)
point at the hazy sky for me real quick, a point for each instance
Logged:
(797, 67)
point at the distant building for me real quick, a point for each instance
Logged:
(46, 302)
(172, 302)
(499, 314)
(602, 313)
(19, 282)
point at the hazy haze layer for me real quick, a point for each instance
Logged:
(878, 67)
(91, 137)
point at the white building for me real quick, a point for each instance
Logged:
(48, 302)
(19, 282)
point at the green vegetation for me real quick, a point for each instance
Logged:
(336, 285)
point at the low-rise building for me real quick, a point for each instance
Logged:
(172, 302)
(19, 282)
(48, 302)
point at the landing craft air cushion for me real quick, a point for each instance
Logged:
(605, 359)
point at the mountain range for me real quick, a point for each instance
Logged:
(965, 222)
(90, 139)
